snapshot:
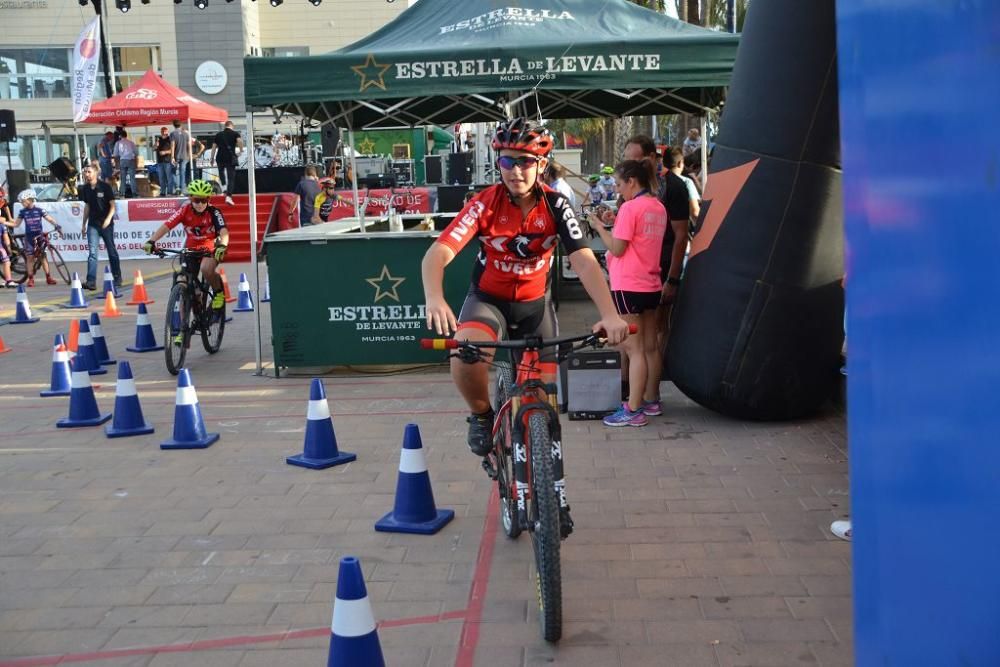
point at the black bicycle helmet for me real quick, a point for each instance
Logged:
(522, 135)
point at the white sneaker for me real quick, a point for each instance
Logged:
(842, 529)
(229, 200)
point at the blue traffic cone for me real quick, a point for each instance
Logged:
(244, 300)
(320, 449)
(267, 289)
(83, 410)
(61, 376)
(85, 352)
(23, 314)
(128, 413)
(109, 285)
(189, 427)
(145, 339)
(353, 636)
(414, 510)
(76, 299)
(100, 345)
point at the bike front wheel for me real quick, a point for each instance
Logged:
(177, 328)
(545, 537)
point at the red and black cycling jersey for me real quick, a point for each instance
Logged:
(202, 229)
(516, 250)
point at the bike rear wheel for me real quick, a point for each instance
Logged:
(213, 326)
(57, 264)
(545, 537)
(177, 322)
(504, 455)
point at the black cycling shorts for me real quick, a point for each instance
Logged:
(634, 303)
(510, 320)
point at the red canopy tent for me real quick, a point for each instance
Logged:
(153, 101)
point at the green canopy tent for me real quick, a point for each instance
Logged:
(443, 62)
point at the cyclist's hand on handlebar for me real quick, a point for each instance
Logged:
(615, 329)
(149, 247)
(440, 318)
(220, 252)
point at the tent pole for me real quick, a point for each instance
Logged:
(704, 152)
(358, 212)
(252, 181)
(79, 152)
(190, 155)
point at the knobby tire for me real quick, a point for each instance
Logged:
(504, 455)
(545, 538)
(174, 354)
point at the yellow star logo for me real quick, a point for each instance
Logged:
(379, 284)
(371, 73)
(366, 146)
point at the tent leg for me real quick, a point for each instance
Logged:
(358, 211)
(79, 151)
(704, 152)
(190, 164)
(252, 181)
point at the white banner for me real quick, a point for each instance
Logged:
(135, 221)
(86, 57)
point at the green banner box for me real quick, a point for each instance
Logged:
(354, 299)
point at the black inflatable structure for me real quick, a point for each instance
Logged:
(757, 327)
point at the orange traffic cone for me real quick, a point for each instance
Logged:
(225, 286)
(74, 335)
(139, 291)
(3, 346)
(110, 307)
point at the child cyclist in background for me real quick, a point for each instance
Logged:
(32, 216)
(5, 245)
(634, 245)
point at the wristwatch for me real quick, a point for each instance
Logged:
(673, 281)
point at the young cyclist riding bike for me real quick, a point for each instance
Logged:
(206, 230)
(32, 217)
(517, 223)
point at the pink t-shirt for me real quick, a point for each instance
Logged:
(642, 222)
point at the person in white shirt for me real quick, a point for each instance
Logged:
(554, 177)
(692, 143)
(125, 154)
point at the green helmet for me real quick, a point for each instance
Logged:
(593, 178)
(200, 188)
(608, 170)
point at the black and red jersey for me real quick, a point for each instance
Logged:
(516, 250)
(202, 229)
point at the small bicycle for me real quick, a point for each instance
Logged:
(527, 460)
(189, 309)
(20, 256)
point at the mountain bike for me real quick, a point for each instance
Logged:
(527, 461)
(189, 309)
(20, 256)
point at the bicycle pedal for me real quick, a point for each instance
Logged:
(490, 468)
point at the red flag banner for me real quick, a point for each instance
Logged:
(569, 141)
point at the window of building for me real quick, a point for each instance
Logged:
(284, 51)
(44, 73)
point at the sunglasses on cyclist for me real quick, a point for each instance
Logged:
(522, 161)
(199, 200)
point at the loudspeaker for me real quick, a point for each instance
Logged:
(17, 180)
(593, 383)
(62, 169)
(8, 130)
(271, 179)
(433, 171)
(460, 168)
(330, 136)
(377, 181)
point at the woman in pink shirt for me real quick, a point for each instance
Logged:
(634, 245)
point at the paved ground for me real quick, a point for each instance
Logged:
(700, 540)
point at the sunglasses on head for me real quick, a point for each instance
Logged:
(522, 161)
(199, 200)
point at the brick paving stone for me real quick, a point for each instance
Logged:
(694, 530)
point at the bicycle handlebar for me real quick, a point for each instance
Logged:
(527, 343)
(183, 251)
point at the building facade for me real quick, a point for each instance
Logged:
(199, 50)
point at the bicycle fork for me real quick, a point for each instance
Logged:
(520, 454)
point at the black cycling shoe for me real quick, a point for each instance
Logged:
(481, 433)
(565, 522)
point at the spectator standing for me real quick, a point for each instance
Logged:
(105, 154)
(307, 189)
(692, 143)
(225, 154)
(99, 225)
(182, 155)
(554, 177)
(325, 201)
(634, 246)
(126, 153)
(165, 162)
(642, 147)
